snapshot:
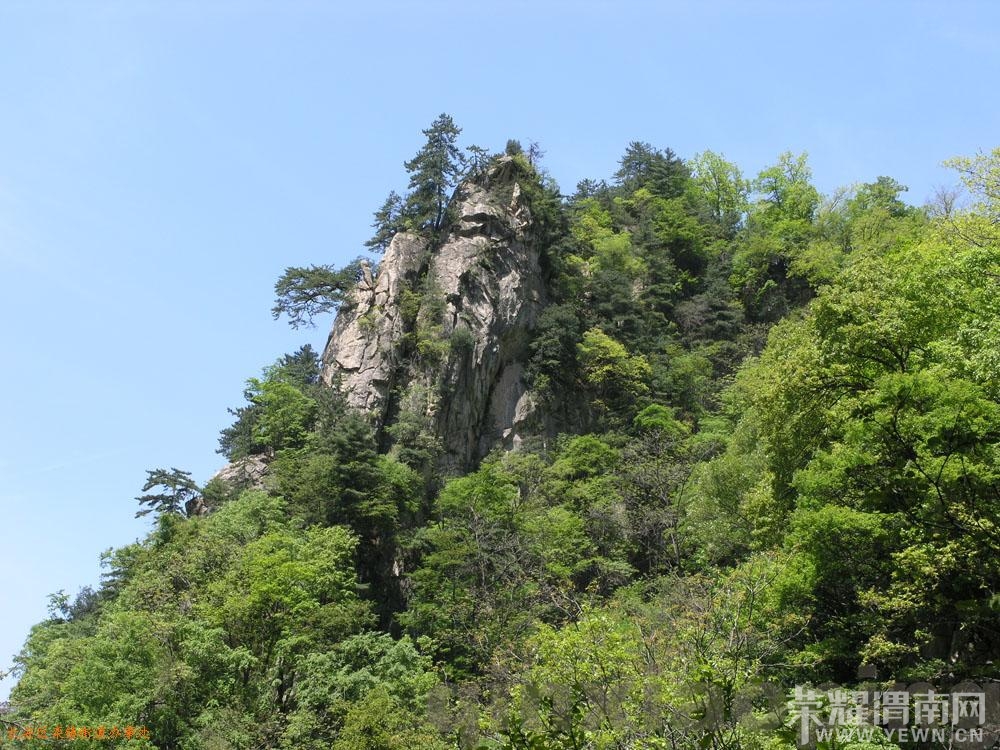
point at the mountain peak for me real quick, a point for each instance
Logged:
(438, 334)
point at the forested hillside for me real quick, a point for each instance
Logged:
(751, 444)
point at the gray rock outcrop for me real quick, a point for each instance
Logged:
(441, 331)
(364, 349)
(244, 473)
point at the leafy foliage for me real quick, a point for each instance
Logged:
(771, 452)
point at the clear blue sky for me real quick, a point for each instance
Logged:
(162, 162)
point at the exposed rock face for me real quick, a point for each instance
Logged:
(456, 360)
(247, 472)
(364, 349)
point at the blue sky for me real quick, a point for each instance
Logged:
(162, 162)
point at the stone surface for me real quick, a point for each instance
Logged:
(362, 351)
(246, 472)
(485, 270)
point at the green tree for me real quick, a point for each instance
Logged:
(661, 666)
(553, 350)
(785, 191)
(303, 293)
(874, 401)
(434, 172)
(388, 221)
(617, 378)
(587, 687)
(368, 680)
(661, 171)
(286, 414)
(378, 722)
(471, 592)
(500, 555)
(780, 226)
(206, 633)
(178, 496)
(300, 369)
(723, 187)
(981, 176)
(479, 160)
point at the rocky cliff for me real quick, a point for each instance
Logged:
(438, 333)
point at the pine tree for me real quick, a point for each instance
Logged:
(179, 496)
(303, 293)
(663, 173)
(434, 172)
(388, 221)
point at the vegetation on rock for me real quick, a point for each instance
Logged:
(767, 451)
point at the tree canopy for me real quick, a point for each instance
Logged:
(302, 293)
(434, 172)
(769, 457)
